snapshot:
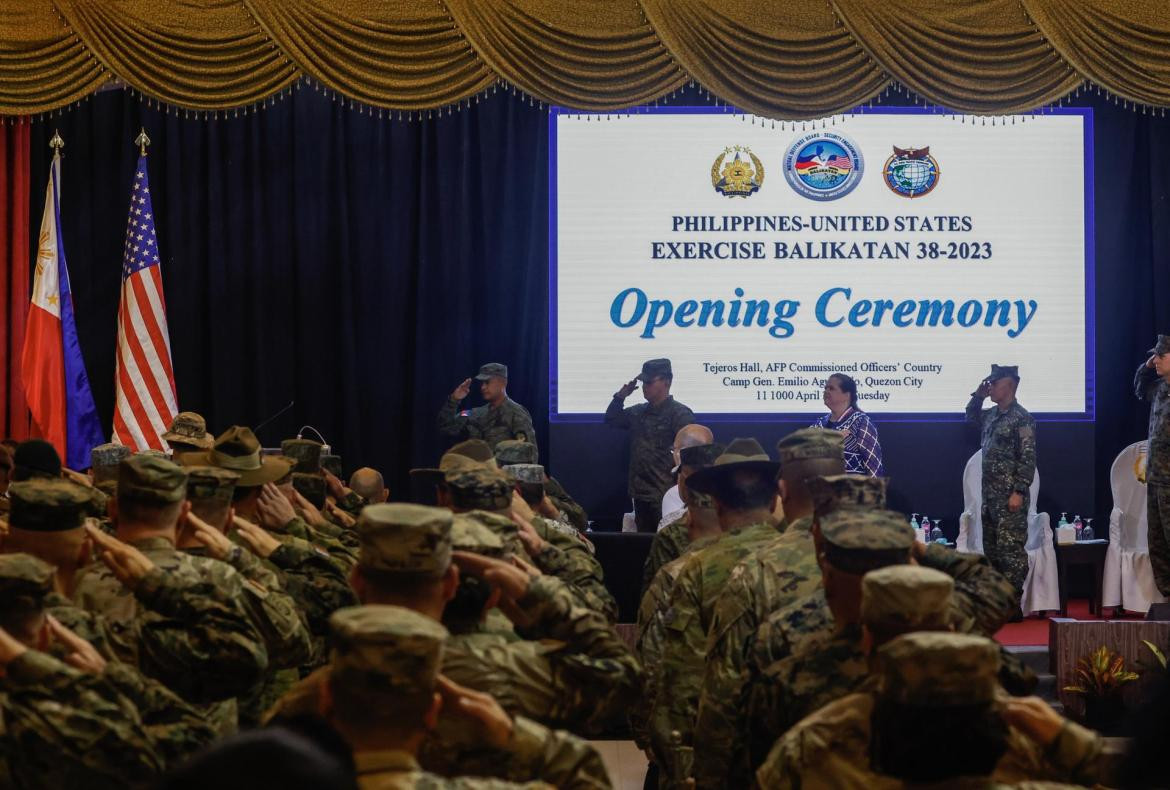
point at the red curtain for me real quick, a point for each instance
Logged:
(14, 274)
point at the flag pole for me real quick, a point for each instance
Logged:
(142, 141)
(56, 143)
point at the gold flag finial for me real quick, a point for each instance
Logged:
(142, 141)
(56, 143)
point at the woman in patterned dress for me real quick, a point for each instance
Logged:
(863, 452)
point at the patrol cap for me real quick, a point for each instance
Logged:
(331, 464)
(739, 456)
(238, 449)
(830, 492)
(151, 480)
(35, 458)
(210, 484)
(25, 580)
(526, 473)
(906, 597)
(40, 505)
(150, 452)
(311, 487)
(515, 451)
(469, 534)
(700, 455)
(304, 453)
(189, 430)
(653, 368)
(380, 649)
(867, 530)
(1004, 372)
(491, 370)
(104, 460)
(1161, 345)
(501, 526)
(939, 669)
(479, 489)
(808, 443)
(405, 538)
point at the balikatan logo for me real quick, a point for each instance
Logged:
(823, 165)
(737, 177)
(911, 172)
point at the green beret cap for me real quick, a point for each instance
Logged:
(935, 669)
(479, 489)
(210, 484)
(906, 596)
(25, 580)
(304, 453)
(811, 443)
(468, 534)
(867, 530)
(104, 460)
(41, 505)
(514, 451)
(526, 473)
(381, 649)
(147, 479)
(404, 538)
(830, 492)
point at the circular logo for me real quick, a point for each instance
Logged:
(911, 172)
(823, 165)
(737, 172)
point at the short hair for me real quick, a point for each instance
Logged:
(861, 561)
(394, 586)
(213, 511)
(847, 385)
(897, 740)
(464, 610)
(153, 513)
(746, 489)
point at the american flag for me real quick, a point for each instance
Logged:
(840, 162)
(145, 400)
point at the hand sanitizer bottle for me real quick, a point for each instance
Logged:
(1079, 526)
(914, 522)
(1063, 520)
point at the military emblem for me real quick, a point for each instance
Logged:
(823, 165)
(740, 176)
(911, 172)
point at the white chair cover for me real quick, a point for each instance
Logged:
(1042, 584)
(1128, 579)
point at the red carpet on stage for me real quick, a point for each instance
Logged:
(1034, 630)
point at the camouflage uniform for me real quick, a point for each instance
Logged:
(493, 424)
(669, 544)
(1149, 386)
(782, 571)
(1008, 441)
(133, 704)
(652, 430)
(831, 747)
(514, 451)
(194, 637)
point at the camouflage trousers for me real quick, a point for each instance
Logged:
(1158, 534)
(1004, 536)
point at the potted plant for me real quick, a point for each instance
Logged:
(1101, 676)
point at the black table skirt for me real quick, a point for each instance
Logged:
(622, 556)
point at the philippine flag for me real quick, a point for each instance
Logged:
(55, 382)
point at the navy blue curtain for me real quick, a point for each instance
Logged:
(358, 266)
(363, 267)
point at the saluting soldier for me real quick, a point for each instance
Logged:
(1008, 440)
(1151, 383)
(499, 419)
(652, 426)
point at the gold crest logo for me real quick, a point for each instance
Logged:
(740, 176)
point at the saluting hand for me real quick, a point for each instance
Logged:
(81, 654)
(217, 543)
(1150, 361)
(983, 390)
(462, 390)
(259, 542)
(1015, 501)
(274, 508)
(626, 389)
(494, 722)
(511, 581)
(128, 564)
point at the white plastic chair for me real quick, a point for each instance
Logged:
(1042, 584)
(1128, 579)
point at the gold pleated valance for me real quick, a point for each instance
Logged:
(782, 59)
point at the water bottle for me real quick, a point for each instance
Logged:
(926, 529)
(936, 533)
(1087, 532)
(1079, 526)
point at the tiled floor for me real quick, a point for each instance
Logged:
(625, 762)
